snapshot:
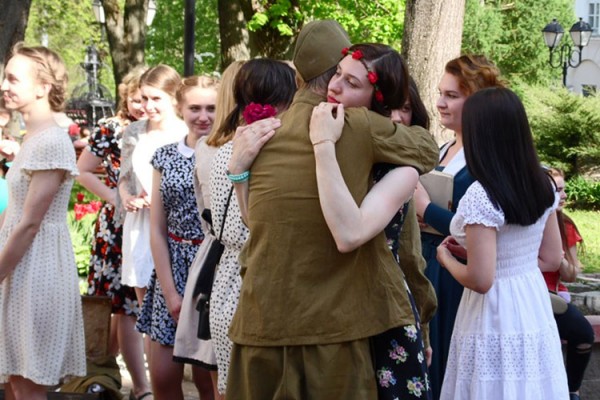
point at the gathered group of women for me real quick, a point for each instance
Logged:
(349, 312)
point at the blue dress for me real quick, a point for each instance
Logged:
(447, 289)
(176, 163)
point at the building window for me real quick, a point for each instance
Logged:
(594, 17)
(589, 90)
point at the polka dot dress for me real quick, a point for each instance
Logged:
(228, 282)
(41, 324)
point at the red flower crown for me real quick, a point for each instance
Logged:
(255, 112)
(371, 75)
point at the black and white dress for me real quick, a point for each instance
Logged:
(228, 281)
(176, 164)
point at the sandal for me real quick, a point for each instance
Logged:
(143, 396)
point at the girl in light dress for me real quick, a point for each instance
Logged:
(505, 343)
(158, 87)
(41, 323)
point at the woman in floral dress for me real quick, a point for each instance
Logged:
(104, 278)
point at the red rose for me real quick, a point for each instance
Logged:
(357, 55)
(255, 112)
(379, 96)
(80, 197)
(345, 51)
(372, 76)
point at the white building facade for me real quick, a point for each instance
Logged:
(586, 77)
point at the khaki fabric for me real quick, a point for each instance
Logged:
(321, 372)
(298, 289)
(413, 265)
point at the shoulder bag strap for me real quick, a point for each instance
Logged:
(225, 212)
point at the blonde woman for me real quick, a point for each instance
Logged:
(158, 87)
(41, 324)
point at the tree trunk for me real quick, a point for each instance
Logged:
(239, 43)
(126, 31)
(432, 37)
(13, 22)
(233, 32)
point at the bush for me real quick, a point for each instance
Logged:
(583, 194)
(565, 126)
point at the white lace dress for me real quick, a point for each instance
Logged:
(505, 343)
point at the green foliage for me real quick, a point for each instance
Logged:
(482, 29)
(280, 15)
(509, 33)
(164, 41)
(587, 223)
(68, 30)
(566, 128)
(583, 194)
(366, 21)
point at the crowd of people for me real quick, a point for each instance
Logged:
(337, 273)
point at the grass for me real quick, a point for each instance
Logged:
(588, 223)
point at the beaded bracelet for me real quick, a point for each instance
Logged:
(238, 178)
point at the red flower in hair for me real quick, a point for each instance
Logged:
(379, 96)
(372, 76)
(357, 55)
(345, 51)
(255, 112)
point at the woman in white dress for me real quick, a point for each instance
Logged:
(158, 86)
(505, 343)
(41, 324)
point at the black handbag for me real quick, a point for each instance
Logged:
(204, 283)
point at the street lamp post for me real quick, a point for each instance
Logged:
(189, 37)
(567, 56)
(101, 18)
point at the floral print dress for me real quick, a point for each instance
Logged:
(104, 277)
(399, 355)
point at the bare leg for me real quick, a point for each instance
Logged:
(203, 381)
(165, 374)
(214, 377)
(113, 341)
(132, 349)
(140, 293)
(25, 389)
(8, 393)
